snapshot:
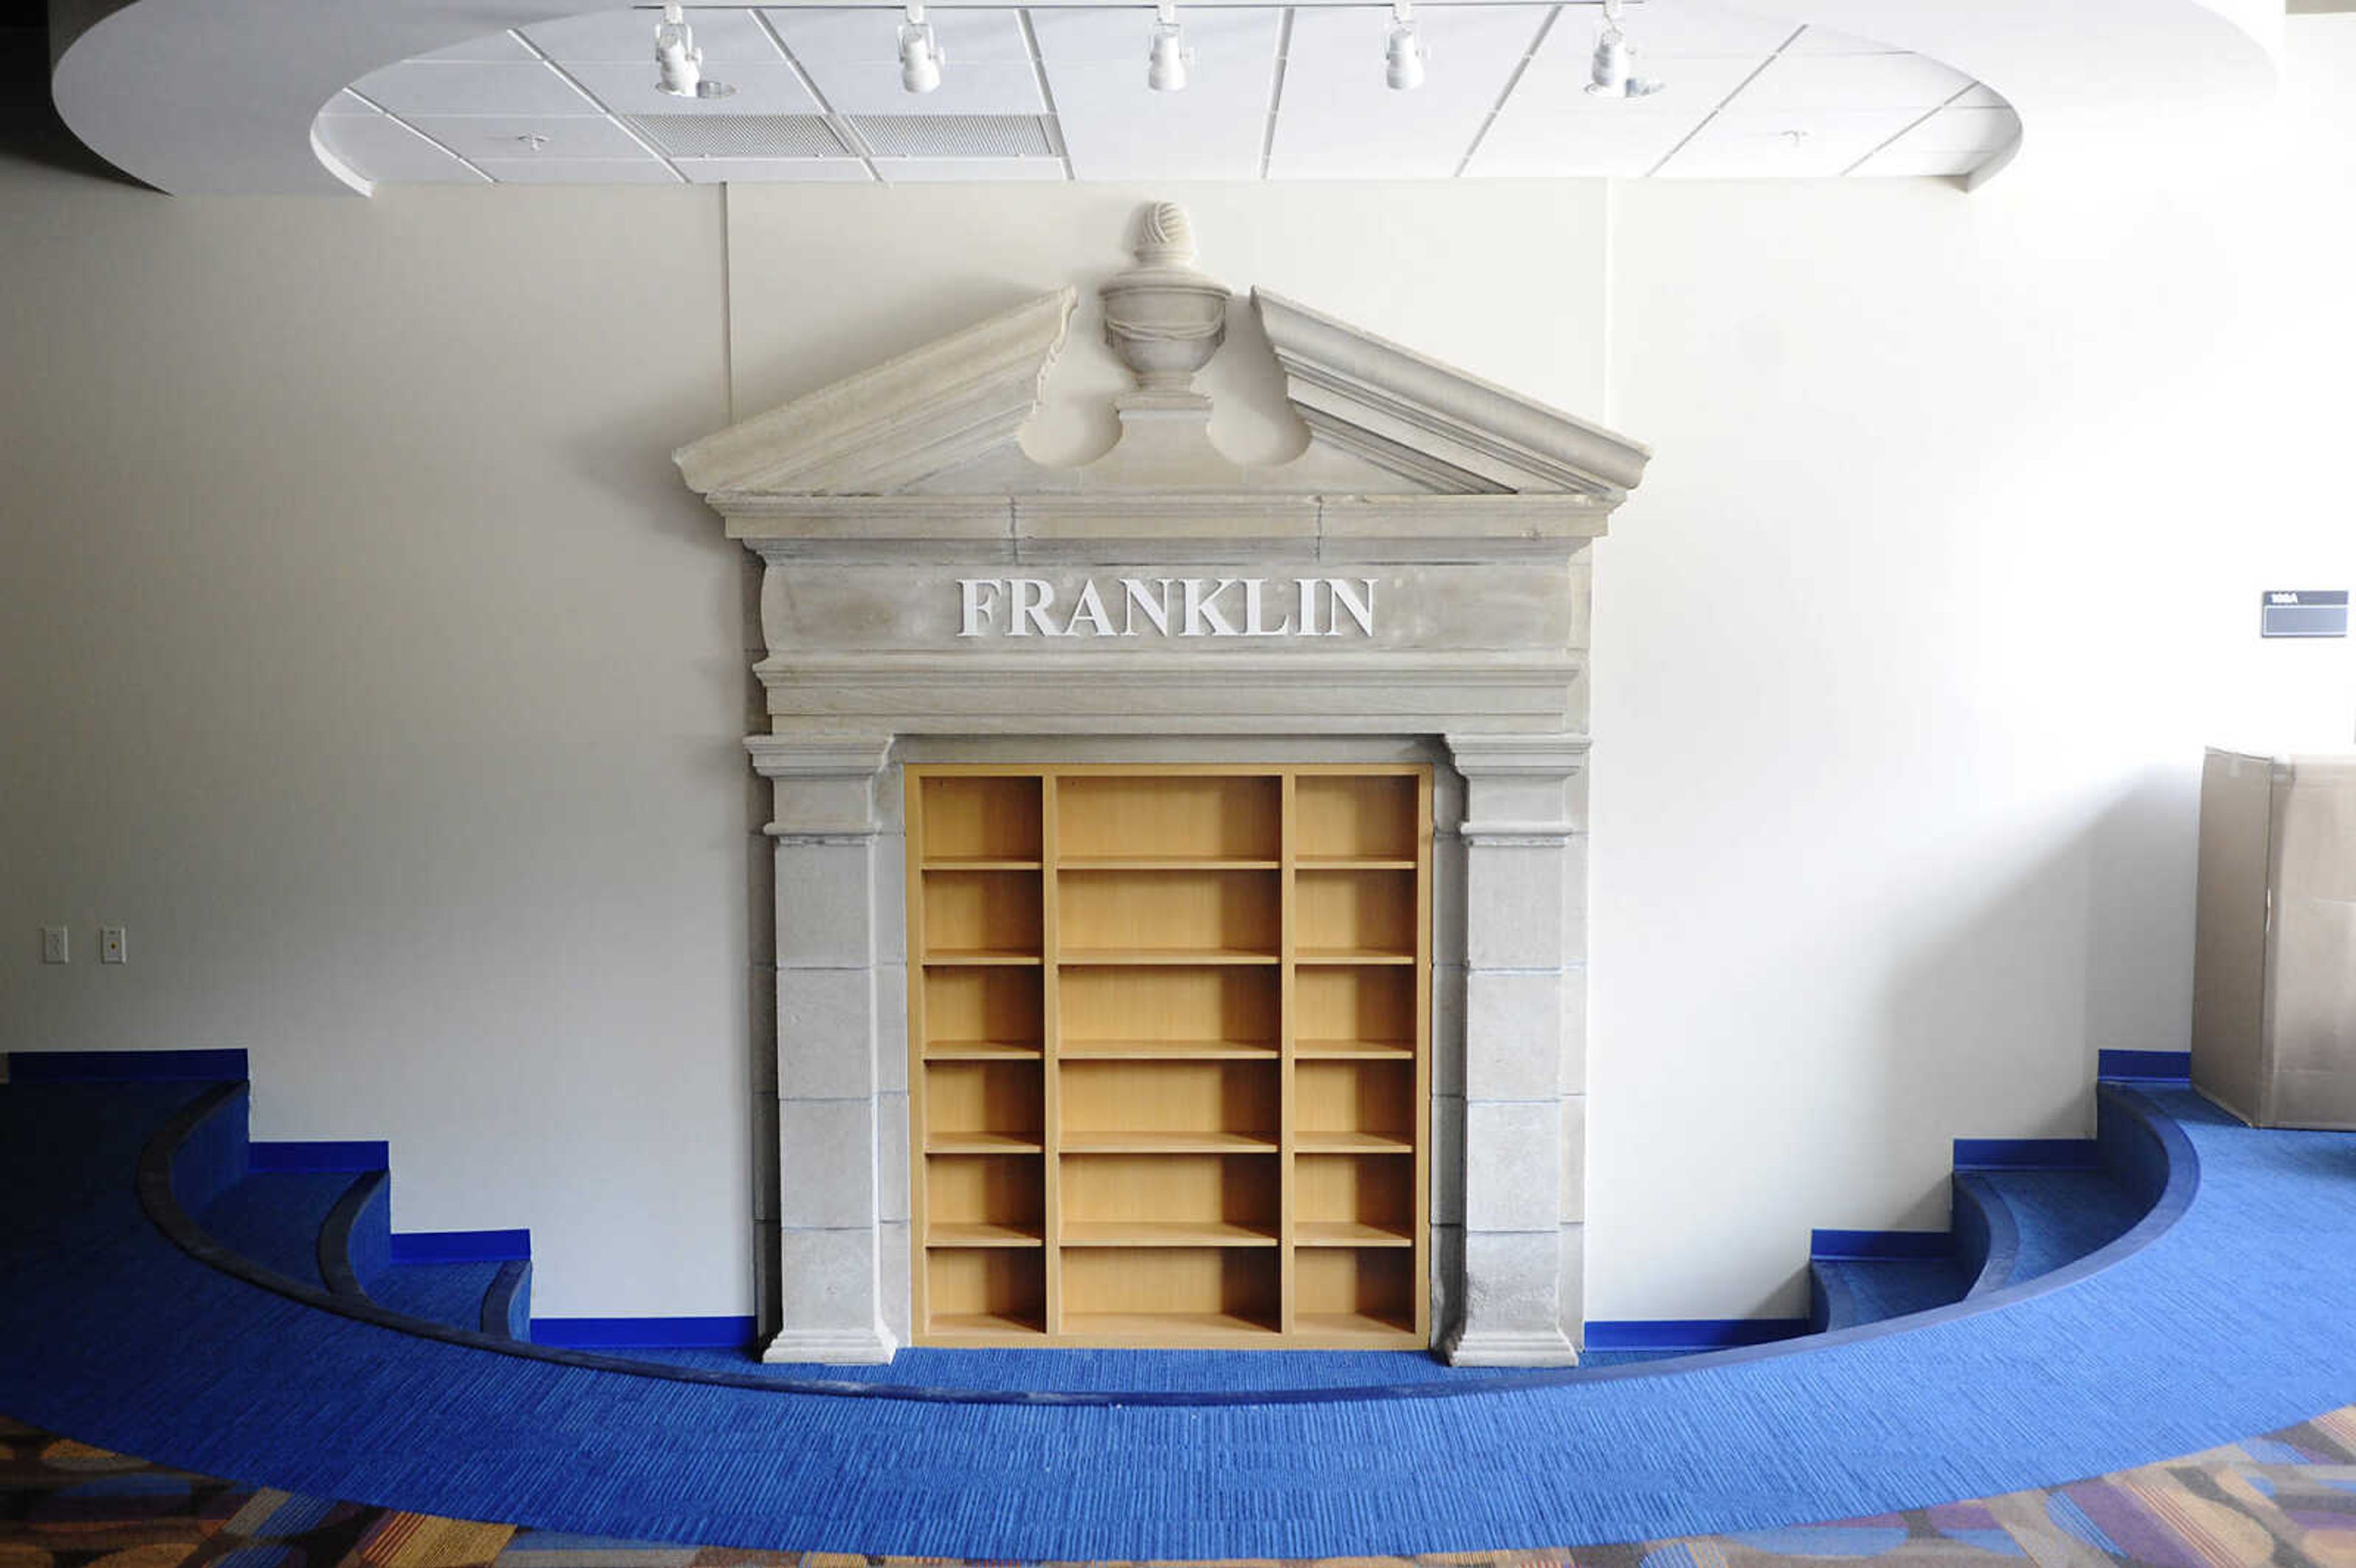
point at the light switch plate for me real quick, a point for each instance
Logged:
(113, 945)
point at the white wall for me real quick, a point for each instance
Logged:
(366, 659)
(369, 661)
(1949, 565)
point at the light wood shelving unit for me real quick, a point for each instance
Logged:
(1168, 1030)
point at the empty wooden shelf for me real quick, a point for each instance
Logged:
(1132, 1140)
(1169, 1047)
(962, 1233)
(1163, 1233)
(1348, 1233)
(982, 1142)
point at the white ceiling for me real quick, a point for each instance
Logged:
(1058, 93)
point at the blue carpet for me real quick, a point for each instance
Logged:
(2061, 1215)
(53, 1144)
(2230, 1322)
(439, 1293)
(273, 1218)
(1878, 1289)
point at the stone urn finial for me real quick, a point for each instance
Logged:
(1165, 236)
(1163, 318)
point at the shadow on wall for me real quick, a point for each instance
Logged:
(2139, 909)
(2088, 947)
(30, 131)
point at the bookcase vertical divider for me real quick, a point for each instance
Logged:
(1288, 839)
(919, 1183)
(1050, 1034)
(1421, 1191)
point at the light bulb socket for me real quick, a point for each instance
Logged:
(1403, 58)
(678, 64)
(920, 58)
(1608, 75)
(1166, 66)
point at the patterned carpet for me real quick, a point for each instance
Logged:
(2286, 1500)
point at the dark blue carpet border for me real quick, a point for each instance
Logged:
(1690, 1333)
(338, 1266)
(2169, 1067)
(460, 1247)
(126, 1066)
(2028, 1154)
(1859, 1246)
(318, 1159)
(506, 1304)
(1981, 1213)
(643, 1333)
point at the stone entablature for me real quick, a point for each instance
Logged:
(1455, 518)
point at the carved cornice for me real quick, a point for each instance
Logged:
(891, 427)
(1226, 693)
(1471, 525)
(1437, 426)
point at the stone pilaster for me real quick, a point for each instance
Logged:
(831, 1103)
(1524, 960)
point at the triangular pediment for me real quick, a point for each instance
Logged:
(887, 430)
(945, 419)
(1443, 430)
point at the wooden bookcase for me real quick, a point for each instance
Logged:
(1169, 1040)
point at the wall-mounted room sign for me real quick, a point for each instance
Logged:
(1168, 607)
(2303, 612)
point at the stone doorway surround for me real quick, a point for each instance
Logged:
(1458, 513)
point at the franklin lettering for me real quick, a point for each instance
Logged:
(1168, 607)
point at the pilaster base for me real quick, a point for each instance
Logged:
(836, 1346)
(1470, 1347)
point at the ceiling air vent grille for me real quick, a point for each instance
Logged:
(741, 135)
(958, 135)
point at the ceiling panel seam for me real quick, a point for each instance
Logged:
(1276, 91)
(1703, 124)
(1046, 92)
(582, 88)
(1538, 42)
(1910, 127)
(850, 139)
(413, 130)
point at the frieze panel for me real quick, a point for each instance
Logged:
(954, 611)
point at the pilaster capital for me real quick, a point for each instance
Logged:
(817, 756)
(825, 784)
(1522, 790)
(1541, 756)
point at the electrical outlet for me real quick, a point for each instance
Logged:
(55, 948)
(112, 945)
